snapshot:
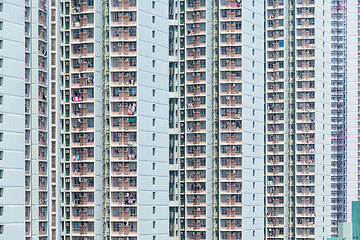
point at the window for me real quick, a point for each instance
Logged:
(153, 136)
(154, 224)
(1, 44)
(154, 210)
(153, 92)
(1, 192)
(153, 107)
(153, 48)
(153, 166)
(153, 4)
(154, 195)
(154, 179)
(153, 151)
(1, 173)
(153, 63)
(153, 19)
(1, 137)
(153, 78)
(1, 229)
(153, 122)
(153, 34)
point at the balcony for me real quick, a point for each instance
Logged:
(231, 114)
(231, 151)
(195, 42)
(305, 233)
(124, 199)
(82, 215)
(195, 226)
(231, 126)
(194, 17)
(83, 230)
(123, 49)
(231, 15)
(123, 169)
(82, 35)
(81, 51)
(123, 215)
(231, 4)
(231, 201)
(122, 139)
(123, 79)
(124, 230)
(231, 139)
(82, 8)
(123, 5)
(123, 18)
(84, 80)
(83, 140)
(231, 213)
(196, 213)
(232, 164)
(195, 176)
(195, 6)
(83, 66)
(123, 184)
(81, 111)
(124, 94)
(82, 171)
(81, 125)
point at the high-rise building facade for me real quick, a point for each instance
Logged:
(216, 119)
(352, 106)
(36, 120)
(338, 114)
(177, 119)
(12, 100)
(297, 154)
(114, 119)
(96, 119)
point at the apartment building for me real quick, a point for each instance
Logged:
(352, 103)
(216, 119)
(298, 119)
(12, 134)
(180, 119)
(114, 105)
(36, 120)
(338, 115)
(96, 119)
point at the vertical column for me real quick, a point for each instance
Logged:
(12, 121)
(352, 92)
(277, 120)
(153, 120)
(176, 117)
(123, 95)
(338, 114)
(253, 119)
(230, 150)
(82, 119)
(198, 115)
